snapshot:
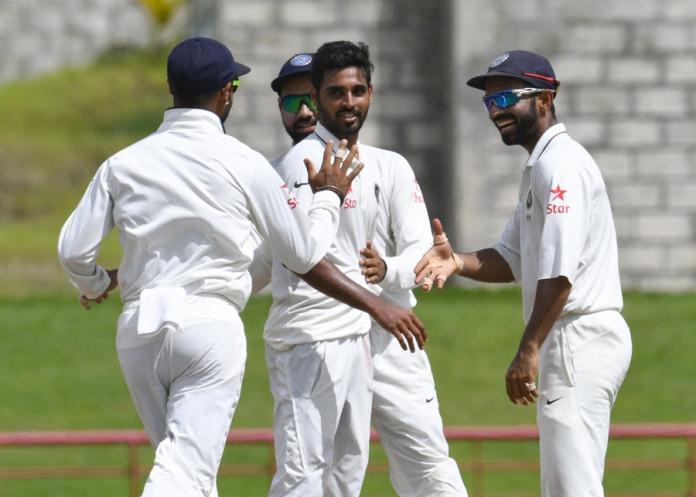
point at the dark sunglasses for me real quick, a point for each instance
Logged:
(235, 85)
(292, 103)
(506, 98)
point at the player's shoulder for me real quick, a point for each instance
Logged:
(309, 148)
(389, 162)
(237, 152)
(383, 154)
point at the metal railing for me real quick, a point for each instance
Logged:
(478, 466)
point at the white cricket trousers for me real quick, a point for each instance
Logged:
(321, 421)
(584, 361)
(185, 385)
(406, 416)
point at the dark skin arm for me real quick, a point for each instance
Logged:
(551, 297)
(441, 262)
(487, 265)
(401, 323)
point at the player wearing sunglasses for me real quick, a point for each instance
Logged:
(298, 112)
(561, 245)
(315, 344)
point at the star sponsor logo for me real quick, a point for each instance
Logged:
(558, 194)
(292, 201)
(350, 203)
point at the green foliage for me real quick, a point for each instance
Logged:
(58, 128)
(161, 10)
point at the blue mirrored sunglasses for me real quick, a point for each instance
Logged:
(292, 103)
(506, 98)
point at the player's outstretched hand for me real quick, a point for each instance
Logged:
(337, 172)
(403, 324)
(374, 268)
(86, 302)
(438, 263)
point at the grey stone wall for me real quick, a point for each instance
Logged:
(37, 36)
(628, 72)
(628, 69)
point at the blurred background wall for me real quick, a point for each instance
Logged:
(628, 93)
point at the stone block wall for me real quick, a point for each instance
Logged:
(628, 72)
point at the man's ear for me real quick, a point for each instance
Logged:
(546, 98)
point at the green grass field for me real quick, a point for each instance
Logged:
(60, 372)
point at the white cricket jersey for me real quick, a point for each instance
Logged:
(563, 226)
(299, 313)
(184, 200)
(403, 231)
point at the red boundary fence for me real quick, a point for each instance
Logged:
(477, 465)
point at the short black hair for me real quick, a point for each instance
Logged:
(336, 55)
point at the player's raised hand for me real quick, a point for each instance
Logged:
(337, 173)
(438, 263)
(374, 268)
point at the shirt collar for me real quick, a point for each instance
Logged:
(325, 135)
(543, 142)
(183, 116)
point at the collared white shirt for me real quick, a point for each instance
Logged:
(184, 200)
(563, 226)
(299, 313)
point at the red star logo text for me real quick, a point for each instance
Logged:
(558, 193)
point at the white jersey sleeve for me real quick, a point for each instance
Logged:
(403, 227)
(81, 237)
(298, 240)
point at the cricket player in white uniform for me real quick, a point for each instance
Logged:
(561, 244)
(184, 201)
(404, 409)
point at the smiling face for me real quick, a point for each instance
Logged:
(343, 101)
(521, 123)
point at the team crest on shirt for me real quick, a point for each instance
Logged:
(555, 206)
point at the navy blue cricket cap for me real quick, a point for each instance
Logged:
(294, 66)
(197, 66)
(533, 68)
